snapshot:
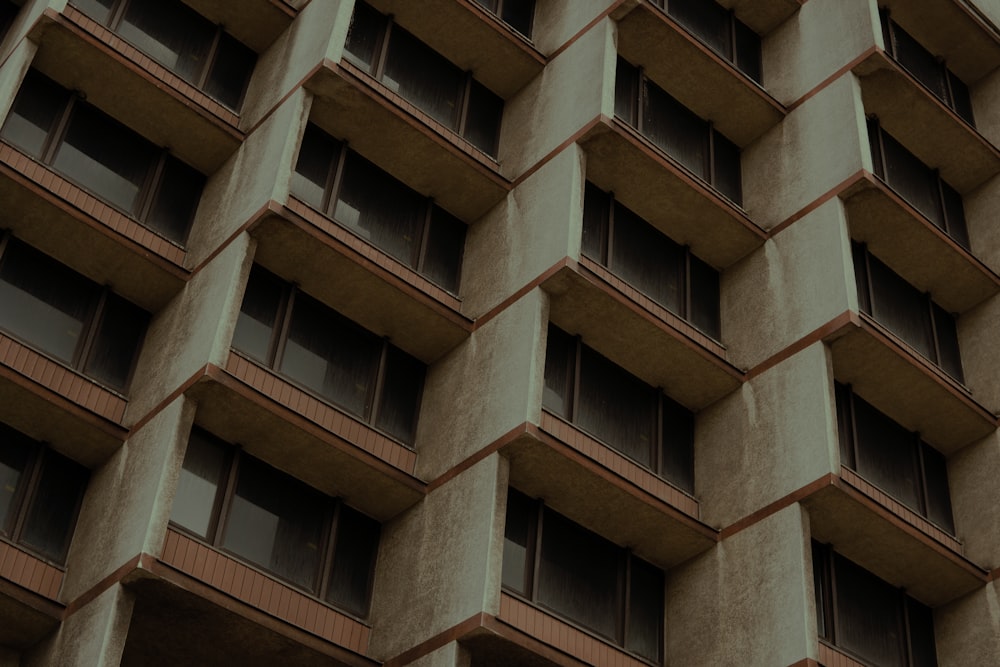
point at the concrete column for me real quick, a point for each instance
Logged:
(93, 636)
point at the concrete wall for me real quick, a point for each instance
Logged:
(981, 206)
(295, 54)
(775, 435)
(458, 415)
(822, 37)
(449, 655)
(576, 87)
(93, 636)
(442, 557)
(985, 95)
(12, 72)
(557, 21)
(965, 631)
(194, 329)
(30, 11)
(125, 510)
(797, 281)
(538, 224)
(748, 601)
(815, 148)
(980, 356)
(975, 499)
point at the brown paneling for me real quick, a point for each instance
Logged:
(831, 657)
(29, 572)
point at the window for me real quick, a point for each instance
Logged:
(518, 14)
(907, 312)
(630, 416)
(378, 208)
(183, 41)
(720, 30)
(582, 576)
(862, 615)
(918, 184)
(324, 352)
(100, 154)
(647, 259)
(68, 317)
(894, 459)
(421, 75)
(40, 495)
(682, 135)
(928, 69)
(268, 518)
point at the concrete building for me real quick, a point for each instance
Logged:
(461, 333)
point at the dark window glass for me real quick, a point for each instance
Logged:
(119, 335)
(277, 522)
(201, 483)
(954, 212)
(869, 615)
(920, 62)
(313, 345)
(920, 620)
(726, 165)
(901, 308)
(618, 408)
(176, 200)
(912, 179)
(518, 14)
(52, 512)
(961, 100)
(676, 130)
(645, 618)
(747, 51)
(54, 309)
(938, 495)
(330, 355)
(37, 108)
(821, 588)
(650, 261)
(707, 20)
(40, 493)
(230, 72)
(353, 561)
(424, 77)
(183, 41)
(583, 576)
(379, 209)
(947, 339)
(627, 81)
(587, 589)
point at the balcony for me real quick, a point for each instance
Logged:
(256, 23)
(80, 54)
(29, 590)
(475, 40)
(708, 84)
(763, 16)
(667, 195)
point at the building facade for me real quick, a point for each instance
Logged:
(467, 333)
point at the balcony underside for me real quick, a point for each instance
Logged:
(927, 570)
(237, 411)
(914, 248)
(361, 283)
(131, 95)
(671, 357)
(471, 38)
(909, 389)
(707, 84)
(664, 194)
(405, 142)
(25, 618)
(924, 125)
(763, 16)
(256, 23)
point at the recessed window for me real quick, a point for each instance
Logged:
(720, 30)
(644, 257)
(183, 41)
(869, 618)
(268, 518)
(518, 14)
(918, 184)
(378, 208)
(40, 494)
(907, 312)
(928, 69)
(317, 348)
(679, 132)
(424, 77)
(892, 458)
(578, 574)
(618, 408)
(101, 155)
(68, 317)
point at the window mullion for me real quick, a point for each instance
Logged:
(686, 303)
(222, 517)
(935, 343)
(869, 288)
(150, 184)
(922, 472)
(463, 105)
(535, 536)
(657, 457)
(640, 111)
(116, 16)
(213, 51)
(574, 402)
(376, 391)
(90, 332)
(22, 500)
(284, 323)
(609, 246)
(625, 595)
(904, 635)
(334, 179)
(55, 137)
(855, 440)
(425, 232)
(326, 562)
(830, 580)
(383, 49)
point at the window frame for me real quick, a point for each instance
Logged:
(828, 611)
(221, 514)
(117, 13)
(91, 324)
(660, 402)
(279, 339)
(851, 443)
(39, 456)
(496, 7)
(625, 557)
(376, 69)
